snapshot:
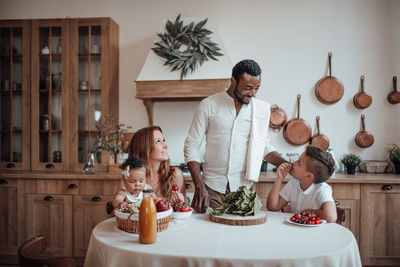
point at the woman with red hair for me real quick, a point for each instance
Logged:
(149, 144)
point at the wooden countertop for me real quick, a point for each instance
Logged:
(264, 176)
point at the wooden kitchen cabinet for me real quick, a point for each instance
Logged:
(50, 94)
(8, 217)
(89, 210)
(380, 224)
(51, 215)
(348, 198)
(14, 95)
(65, 74)
(94, 63)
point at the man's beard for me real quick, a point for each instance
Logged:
(238, 98)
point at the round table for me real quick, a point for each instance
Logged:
(199, 242)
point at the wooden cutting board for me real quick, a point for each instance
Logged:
(230, 219)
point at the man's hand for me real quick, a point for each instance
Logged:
(200, 199)
(283, 170)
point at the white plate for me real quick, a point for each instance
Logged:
(182, 215)
(307, 225)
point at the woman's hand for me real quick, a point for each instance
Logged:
(177, 196)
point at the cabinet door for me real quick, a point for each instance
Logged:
(352, 211)
(94, 85)
(50, 94)
(8, 217)
(348, 198)
(51, 215)
(14, 95)
(88, 212)
(380, 224)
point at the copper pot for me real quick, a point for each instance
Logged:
(362, 100)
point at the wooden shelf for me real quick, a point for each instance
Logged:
(88, 131)
(177, 90)
(52, 131)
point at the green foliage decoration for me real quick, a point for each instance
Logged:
(186, 47)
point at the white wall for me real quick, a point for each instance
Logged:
(289, 39)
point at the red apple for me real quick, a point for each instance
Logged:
(162, 205)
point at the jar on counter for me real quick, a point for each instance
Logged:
(83, 85)
(45, 122)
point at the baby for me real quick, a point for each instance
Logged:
(307, 191)
(133, 182)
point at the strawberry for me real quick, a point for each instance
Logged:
(175, 187)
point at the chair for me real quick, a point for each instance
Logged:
(29, 255)
(341, 215)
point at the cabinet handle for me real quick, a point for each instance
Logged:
(188, 186)
(3, 182)
(387, 187)
(337, 203)
(48, 198)
(96, 199)
(72, 186)
(50, 166)
(109, 207)
(10, 165)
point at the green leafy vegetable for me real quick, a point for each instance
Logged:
(243, 202)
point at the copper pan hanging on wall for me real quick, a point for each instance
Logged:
(329, 89)
(362, 100)
(277, 119)
(297, 131)
(319, 140)
(394, 96)
(363, 138)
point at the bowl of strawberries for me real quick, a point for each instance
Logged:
(181, 210)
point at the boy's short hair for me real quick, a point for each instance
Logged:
(133, 163)
(320, 163)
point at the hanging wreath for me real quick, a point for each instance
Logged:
(186, 47)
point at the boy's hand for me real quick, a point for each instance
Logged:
(283, 170)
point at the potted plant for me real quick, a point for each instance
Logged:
(351, 161)
(394, 156)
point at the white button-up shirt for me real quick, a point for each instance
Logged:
(311, 198)
(227, 138)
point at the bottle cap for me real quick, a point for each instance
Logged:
(147, 190)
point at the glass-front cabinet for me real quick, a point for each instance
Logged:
(58, 80)
(50, 94)
(14, 95)
(94, 83)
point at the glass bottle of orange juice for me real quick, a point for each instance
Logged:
(147, 219)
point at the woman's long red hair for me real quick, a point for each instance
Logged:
(142, 143)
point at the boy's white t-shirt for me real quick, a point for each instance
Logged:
(311, 198)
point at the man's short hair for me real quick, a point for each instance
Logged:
(247, 65)
(320, 163)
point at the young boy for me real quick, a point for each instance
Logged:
(307, 191)
(133, 181)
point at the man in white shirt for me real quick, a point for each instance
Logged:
(224, 121)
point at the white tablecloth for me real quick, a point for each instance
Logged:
(200, 242)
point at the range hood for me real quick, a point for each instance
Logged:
(156, 82)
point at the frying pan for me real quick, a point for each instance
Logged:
(394, 97)
(297, 131)
(363, 138)
(277, 119)
(319, 140)
(329, 89)
(362, 100)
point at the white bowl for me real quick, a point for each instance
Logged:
(182, 215)
(135, 217)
